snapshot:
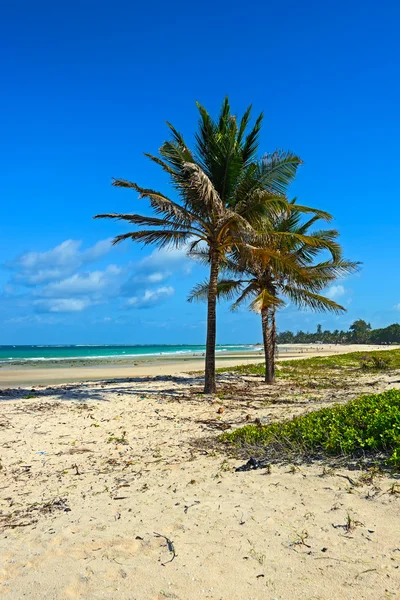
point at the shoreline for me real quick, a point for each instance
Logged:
(90, 370)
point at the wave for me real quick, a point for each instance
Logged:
(71, 352)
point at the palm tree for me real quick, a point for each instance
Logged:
(222, 190)
(291, 272)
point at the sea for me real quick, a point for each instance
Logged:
(12, 354)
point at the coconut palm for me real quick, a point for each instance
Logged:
(222, 190)
(264, 280)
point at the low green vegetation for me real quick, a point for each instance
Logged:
(118, 439)
(376, 363)
(369, 424)
(353, 362)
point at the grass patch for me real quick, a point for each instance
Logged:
(118, 439)
(252, 369)
(370, 424)
(375, 362)
(355, 362)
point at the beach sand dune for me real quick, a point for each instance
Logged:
(112, 490)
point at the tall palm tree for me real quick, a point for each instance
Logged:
(262, 280)
(222, 190)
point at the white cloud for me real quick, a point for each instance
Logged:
(156, 268)
(93, 282)
(164, 262)
(57, 281)
(34, 319)
(150, 297)
(396, 307)
(18, 320)
(63, 305)
(335, 291)
(156, 277)
(34, 268)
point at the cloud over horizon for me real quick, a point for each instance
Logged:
(60, 280)
(150, 297)
(35, 268)
(63, 305)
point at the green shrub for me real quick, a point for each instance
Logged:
(368, 424)
(376, 362)
(249, 369)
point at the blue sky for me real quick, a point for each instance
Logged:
(87, 88)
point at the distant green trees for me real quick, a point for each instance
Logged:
(360, 332)
(388, 335)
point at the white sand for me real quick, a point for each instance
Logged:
(237, 536)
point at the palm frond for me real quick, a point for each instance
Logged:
(264, 300)
(202, 256)
(219, 150)
(142, 220)
(334, 269)
(160, 203)
(243, 126)
(175, 155)
(259, 206)
(199, 293)
(322, 214)
(313, 241)
(328, 238)
(233, 267)
(226, 289)
(229, 288)
(178, 139)
(252, 140)
(203, 188)
(224, 115)
(205, 138)
(250, 291)
(306, 299)
(304, 228)
(161, 163)
(278, 170)
(159, 238)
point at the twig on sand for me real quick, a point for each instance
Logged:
(349, 479)
(366, 571)
(190, 505)
(170, 545)
(14, 525)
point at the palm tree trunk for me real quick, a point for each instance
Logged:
(210, 386)
(268, 327)
(273, 344)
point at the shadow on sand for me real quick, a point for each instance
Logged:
(97, 390)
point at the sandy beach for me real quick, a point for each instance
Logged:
(114, 490)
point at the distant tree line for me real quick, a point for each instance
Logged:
(360, 332)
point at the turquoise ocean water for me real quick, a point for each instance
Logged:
(10, 354)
